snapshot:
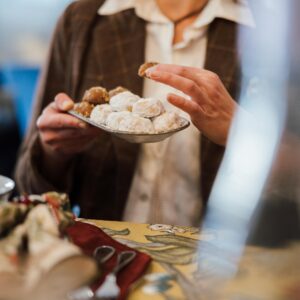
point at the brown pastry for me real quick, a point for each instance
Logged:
(96, 95)
(144, 67)
(116, 91)
(84, 108)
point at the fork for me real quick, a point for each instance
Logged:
(102, 254)
(110, 289)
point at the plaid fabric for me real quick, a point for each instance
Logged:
(222, 58)
(89, 50)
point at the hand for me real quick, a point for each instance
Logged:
(61, 133)
(211, 107)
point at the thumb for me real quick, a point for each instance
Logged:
(63, 102)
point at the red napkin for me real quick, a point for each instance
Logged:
(88, 237)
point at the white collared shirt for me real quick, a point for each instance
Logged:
(166, 184)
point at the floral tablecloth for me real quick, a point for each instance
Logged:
(174, 274)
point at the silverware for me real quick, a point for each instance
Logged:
(102, 254)
(110, 289)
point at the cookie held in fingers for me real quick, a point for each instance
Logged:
(144, 67)
(96, 95)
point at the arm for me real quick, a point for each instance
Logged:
(39, 168)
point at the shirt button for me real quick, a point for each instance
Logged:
(144, 197)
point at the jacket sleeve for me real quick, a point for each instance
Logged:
(54, 79)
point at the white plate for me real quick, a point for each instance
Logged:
(134, 137)
(6, 187)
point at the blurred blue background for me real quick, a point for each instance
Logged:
(26, 27)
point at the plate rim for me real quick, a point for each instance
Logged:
(10, 181)
(108, 129)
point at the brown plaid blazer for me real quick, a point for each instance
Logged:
(88, 50)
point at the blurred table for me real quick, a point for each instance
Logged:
(262, 273)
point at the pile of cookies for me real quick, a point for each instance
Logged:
(120, 109)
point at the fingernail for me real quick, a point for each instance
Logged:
(150, 71)
(82, 125)
(66, 105)
(38, 121)
(153, 74)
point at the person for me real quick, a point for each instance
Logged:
(103, 43)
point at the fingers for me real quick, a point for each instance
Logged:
(63, 136)
(198, 75)
(70, 146)
(211, 107)
(53, 116)
(188, 72)
(58, 121)
(63, 102)
(53, 136)
(61, 132)
(189, 106)
(187, 86)
(68, 141)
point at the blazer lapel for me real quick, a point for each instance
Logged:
(114, 44)
(80, 30)
(121, 40)
(222, 53)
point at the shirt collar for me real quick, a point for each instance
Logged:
(148, 10)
